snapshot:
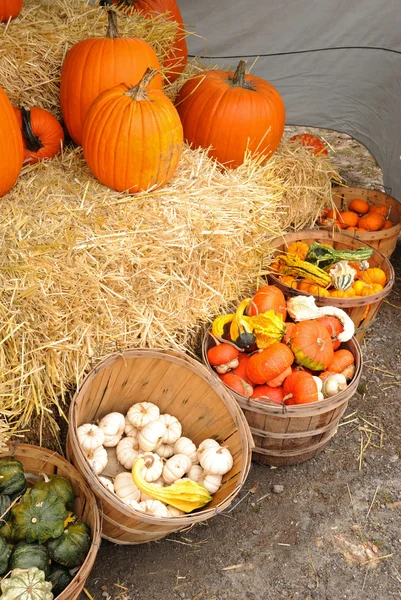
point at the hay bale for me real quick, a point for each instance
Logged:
(33, 46)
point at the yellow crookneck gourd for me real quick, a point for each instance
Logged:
(264, 329)
(185, 494)
(293, 265)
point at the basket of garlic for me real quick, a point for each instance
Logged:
(161, 442)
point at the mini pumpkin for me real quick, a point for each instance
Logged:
(40, 516)
(374, 275)
(359, 206)
(237, 384)
(348, 218)
(300, 388)
(371, 221)
(311, 344)
(341, 360)
(298, 248)
(71, 548)
(268, 297)
(270, 363)
(379, 209)
(266, 393)
(42, 134)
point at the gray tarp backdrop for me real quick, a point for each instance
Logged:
(336, 63)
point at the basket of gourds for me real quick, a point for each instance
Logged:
(371, 216)
(292, 367)
(161, 442)
(50, 525)
(336, 269)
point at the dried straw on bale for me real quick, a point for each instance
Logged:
(85, 270)
(33, 46)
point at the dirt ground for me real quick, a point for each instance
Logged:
(333, 532)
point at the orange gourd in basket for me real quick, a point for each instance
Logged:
(289, 280)
(374, 275)
(388, 224)
(379, 209)
(371, 288)
(359, 206)
(268, 297)
(298, 248)
(312, 345)
(266, 393)
(371, 221)
(349, 218)
(270, 363)
(341, 360)
(300, 388)
(334, 327)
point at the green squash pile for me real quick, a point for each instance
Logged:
(38, 529)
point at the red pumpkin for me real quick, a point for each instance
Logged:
(97, 64)
(11, 149)
(42, 134)
(312, 346)
(237, 384)
(300, 388)
(9, 9)
(177, 57)
(265, 393)
(334, 327)
(223, 357)
(268, 297)
(146, 151)
(340, 361)
(270, 363)
(310, 141)
(243, 360)
(230, 114)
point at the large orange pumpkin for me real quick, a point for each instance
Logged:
(232, 113)
(270, 363)
(42, 134)
(312, 345)
(268, 297)
(132, 137)
(11, 149)
(97, 64)
(177, 57)
(9, 9)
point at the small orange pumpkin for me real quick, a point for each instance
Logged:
(318, 290)
(270, 363)
(299, 249)
(300, 388)
(237, 384)
(42, 134)
(371, 288)
(371, 221)
(268, 297)
(348, 218)
(379, 209)
(359, 206)
(388, 224)
(289, 280)
(374, 275)
(341, 360)
(358, 286)
(312, 345)
(266, 393)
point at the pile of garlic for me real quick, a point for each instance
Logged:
(168, 456)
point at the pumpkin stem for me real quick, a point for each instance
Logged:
(33, 143)
(138, 92)
(112, 26)
(238, 79)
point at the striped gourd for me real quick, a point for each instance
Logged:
(293, 265)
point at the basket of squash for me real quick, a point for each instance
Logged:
(371, 216)
(292, 367)
(50, 525)
(160, 441)
(337, 270)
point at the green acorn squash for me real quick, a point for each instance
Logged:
(60, 579)
(39, 516)
(9, 533)
(5, 552)
(5, 513)
(26, 584)
(26, 556)
(60, 485)
(12, 478)
(71, 548)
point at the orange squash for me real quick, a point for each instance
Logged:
(289, 280)
(374, 275)
(388, 224)
(371, 221)
(334, 327)
(300, 388)
(231, 114)
(268, 297)
(266, 393)
(359, 206)
(312, 345)
(270, 363)
(379, 209)
(340, 361)
(298, 248)
(42, 134)
(349, 218)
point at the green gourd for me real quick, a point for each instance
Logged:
(12, 478)
(325, 256)
(59, 578)
(39, 516)
(26, 556)
(71, 548)
(9, 533)
(26, 584)
(5, 552)
(5, 512)
(58, 484)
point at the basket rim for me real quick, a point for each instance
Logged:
(299, 409)
(340, 302)
(227, 398)
(11, 449)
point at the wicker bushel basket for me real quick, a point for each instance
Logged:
(182, 387)
(361, 310)
(40, 460)
(385, 240)
(289, 435)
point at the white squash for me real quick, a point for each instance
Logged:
(151, 435)
(302, 308)
(130, 430)
(111, 441)
(125, 488)
(127, 452)
(174, 512)
(186, 446)
(90, 437)
(196, 473)
(153, 507)
(97, 459)
(107, 483)
(319, 385)
(176, 467)
(132, 504)
(173, 429)
(112, 424)
(164, 451)
(216, 460)
(153, 467)
(142, 413)
(208, 443)
(211, 482)
(334, 384)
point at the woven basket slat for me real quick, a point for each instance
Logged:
(40, 460)
(179, 386)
